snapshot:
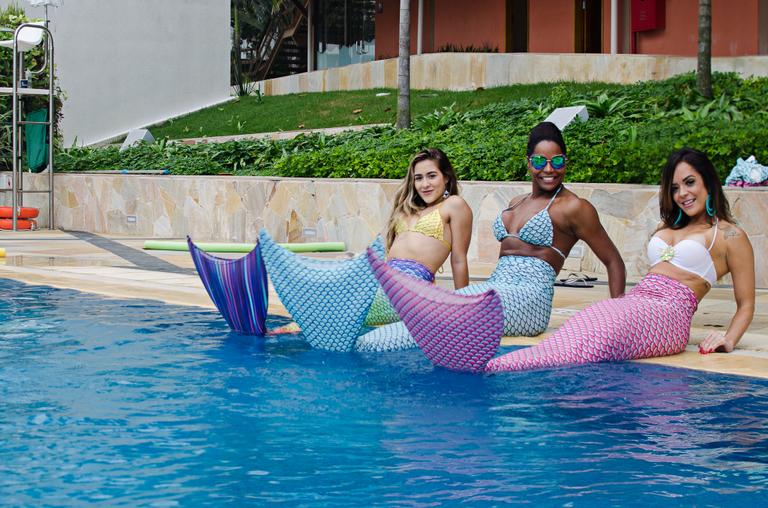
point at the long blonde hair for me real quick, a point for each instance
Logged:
(407, 200)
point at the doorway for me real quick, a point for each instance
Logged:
(589, 26)
(517, 26)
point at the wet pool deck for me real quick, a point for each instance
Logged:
(118, 267)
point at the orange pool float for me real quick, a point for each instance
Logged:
(20, 224)
(6, 212)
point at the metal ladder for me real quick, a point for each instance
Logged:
(18, 92)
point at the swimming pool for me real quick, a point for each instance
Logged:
(140, 403)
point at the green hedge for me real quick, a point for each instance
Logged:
(630, 133)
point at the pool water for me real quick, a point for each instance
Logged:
(140, 403)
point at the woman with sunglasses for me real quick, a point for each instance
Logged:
(696, 244)
(536, 232)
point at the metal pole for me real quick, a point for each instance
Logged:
(14, 136)
(420, 27)
(614, 26)
(51, 120)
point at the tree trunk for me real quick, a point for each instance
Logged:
(404, 68)
(236, 42)
(704, 65)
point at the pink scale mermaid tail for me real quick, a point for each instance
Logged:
(653, 319)
(458, 332)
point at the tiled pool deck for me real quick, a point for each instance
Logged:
(118, 267)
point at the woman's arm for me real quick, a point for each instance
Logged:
(460, 222)
(587, 227)
(740, 260)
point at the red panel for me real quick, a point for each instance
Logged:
(648, 15)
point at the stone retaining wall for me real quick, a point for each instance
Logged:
(469, 71)
(232, 209)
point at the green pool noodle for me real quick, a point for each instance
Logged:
(244, 247)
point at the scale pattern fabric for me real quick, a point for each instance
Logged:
(328, 299)
(381, 312)
(455, 331)
(653, 319)
(526, 287)
(238, 288)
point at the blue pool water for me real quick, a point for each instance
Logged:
(138, 403)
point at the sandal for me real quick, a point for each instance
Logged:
(574, 282)
(579, 276)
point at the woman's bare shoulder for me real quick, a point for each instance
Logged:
(731, 232)
(456, 204)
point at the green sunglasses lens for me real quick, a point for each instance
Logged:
(538, 161)
(557, 161)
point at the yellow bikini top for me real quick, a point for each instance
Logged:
(430, 225)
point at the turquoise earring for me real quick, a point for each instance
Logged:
(710, 208)
(679, 216)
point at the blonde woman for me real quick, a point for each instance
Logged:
(429, 223)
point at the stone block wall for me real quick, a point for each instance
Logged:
(233, 209)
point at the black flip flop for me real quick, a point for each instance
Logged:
(574, 282)
(580, 276)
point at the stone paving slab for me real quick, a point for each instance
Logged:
(64, 260)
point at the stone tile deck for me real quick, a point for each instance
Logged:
(117, 267)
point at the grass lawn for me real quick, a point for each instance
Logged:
(332, 109)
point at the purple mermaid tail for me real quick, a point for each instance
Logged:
(238, 288)
(458, 332)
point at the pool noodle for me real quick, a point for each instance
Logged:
(244, 247)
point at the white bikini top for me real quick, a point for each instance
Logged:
(688, 255)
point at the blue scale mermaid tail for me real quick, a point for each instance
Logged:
(238, 288)
(328, 299)
(458, 332)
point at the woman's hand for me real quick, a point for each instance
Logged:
(716, 342)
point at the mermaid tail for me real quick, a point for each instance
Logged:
(455, 331)
(328, 299)
(238, 288)
(381, 312)
(653, 319)
(524, 285)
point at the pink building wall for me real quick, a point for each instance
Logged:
(736, 27)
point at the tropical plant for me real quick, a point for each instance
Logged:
(440, 119)
(604, 106)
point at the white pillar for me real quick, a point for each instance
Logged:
(420, 27)
(614, 26)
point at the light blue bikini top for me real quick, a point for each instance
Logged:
(537, 231)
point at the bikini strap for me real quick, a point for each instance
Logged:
(515, 205)
(714, 237)
(553, 197)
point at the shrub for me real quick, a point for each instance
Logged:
(627, 140)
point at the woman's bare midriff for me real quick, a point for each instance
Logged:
(515, 247)
(428, 251)
(698, 285)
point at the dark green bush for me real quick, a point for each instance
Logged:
(627, 140)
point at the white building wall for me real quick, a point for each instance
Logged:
(124, 64)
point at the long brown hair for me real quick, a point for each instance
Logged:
(407, 200)
(669, 210)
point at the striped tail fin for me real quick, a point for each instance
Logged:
(238, 288)
(458, 332)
